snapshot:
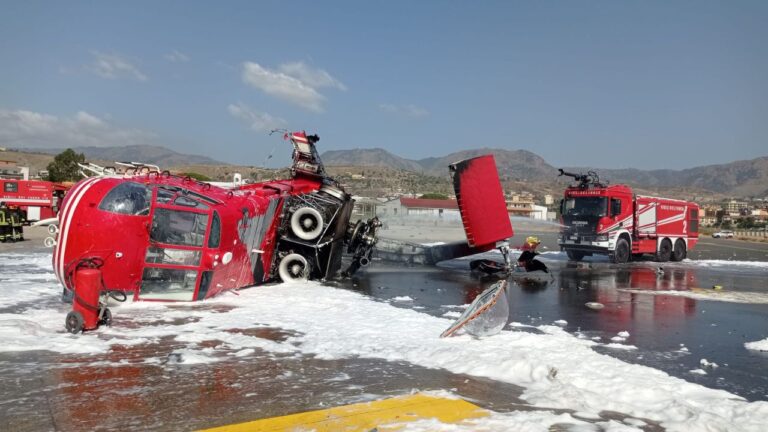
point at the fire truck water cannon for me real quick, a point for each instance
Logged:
(602, 219)
(584, 180)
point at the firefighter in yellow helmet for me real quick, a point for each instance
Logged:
(526, 259)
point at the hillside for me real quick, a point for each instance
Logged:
(383, 171)
(369, 157)
(514, 165)
(157, 155)
(740, 178)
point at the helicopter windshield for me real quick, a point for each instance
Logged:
(586, 206)
(127, 198)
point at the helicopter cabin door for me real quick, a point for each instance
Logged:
(179, 232)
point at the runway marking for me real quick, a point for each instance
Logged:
(366, 416)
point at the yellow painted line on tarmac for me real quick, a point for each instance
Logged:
(379, 415)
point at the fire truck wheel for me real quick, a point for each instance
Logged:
(574, 255)
(106, 318)
(306, 223)
(621, 255)
(293, 267)
(665, 251)
(680, 251)
(74, 322)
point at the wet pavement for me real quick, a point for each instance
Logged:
(671, 333)
(129, 388)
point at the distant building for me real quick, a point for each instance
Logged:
(540, 212)
(707, 221)
(549, 200)
(520, 205)
(419, 207)
(734, 208)
(760, 214)
(9, 170)
(365, 208)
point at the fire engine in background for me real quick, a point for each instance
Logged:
(612, 220)
(37, 199)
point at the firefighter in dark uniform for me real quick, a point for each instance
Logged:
(17, 221)
(5, 223)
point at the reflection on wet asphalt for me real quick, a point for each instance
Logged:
(145, 387)
(671, 333)
(121, 391)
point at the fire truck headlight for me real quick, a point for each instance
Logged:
(602, 237)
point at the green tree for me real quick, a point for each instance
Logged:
(433, 195)
(64, 166)
(196, 176)
(746, 223)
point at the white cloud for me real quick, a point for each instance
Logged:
(24, 129)
(293, 82)
(315, 78)
(408, 110)
(256, 120)
(114, 66)
(176, 57)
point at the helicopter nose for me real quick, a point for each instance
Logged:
(66, 215)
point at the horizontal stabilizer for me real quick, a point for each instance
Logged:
(481, 202)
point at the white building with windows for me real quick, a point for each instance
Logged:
(402, 206)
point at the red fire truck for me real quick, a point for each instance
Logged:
(37, 198)
(612, 220)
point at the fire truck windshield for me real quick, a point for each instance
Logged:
(585, 206)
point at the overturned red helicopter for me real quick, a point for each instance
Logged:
(155, 236)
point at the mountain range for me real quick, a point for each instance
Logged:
(157, 155)
(740, 178)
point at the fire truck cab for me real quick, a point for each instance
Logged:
(614, 221)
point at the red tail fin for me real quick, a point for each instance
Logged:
(481, 202)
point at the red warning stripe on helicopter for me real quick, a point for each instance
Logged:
(70, 203)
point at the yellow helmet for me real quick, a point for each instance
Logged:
(532, 240)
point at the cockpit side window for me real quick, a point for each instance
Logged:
(128, 199)
(215, 237)
(178, 227)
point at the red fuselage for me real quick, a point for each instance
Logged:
(163, 237)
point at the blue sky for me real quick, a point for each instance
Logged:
(596, 83)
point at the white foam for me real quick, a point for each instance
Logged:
(761, 345)
(620, 346)
(557, 369)
(714, 295)
(522, 421)
(726, 263)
